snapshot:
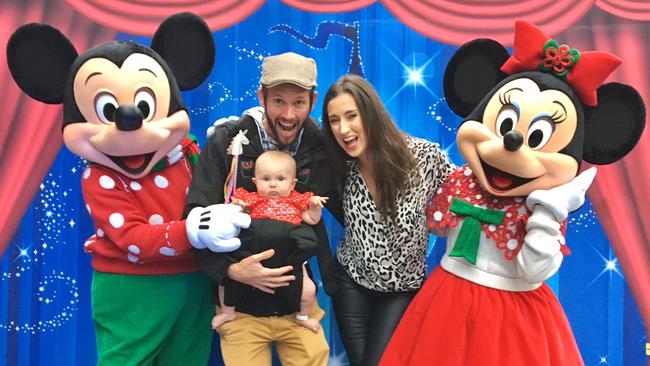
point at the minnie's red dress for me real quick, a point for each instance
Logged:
(497, 311)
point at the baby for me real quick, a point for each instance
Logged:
(275, 199)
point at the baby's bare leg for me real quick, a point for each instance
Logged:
(307, 301)
(224, 313)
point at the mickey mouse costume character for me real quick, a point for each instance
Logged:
(530, 120)
(124, 114)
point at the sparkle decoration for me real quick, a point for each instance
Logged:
(221, 94)
(433, 111)
(324, 30)
(581, 223)
(53, 214)
(58, 296)
(414, 74)
(584, 219)
(338, 359)
(51, 292)
(609, 265)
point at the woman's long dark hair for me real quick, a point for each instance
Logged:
(391, 159)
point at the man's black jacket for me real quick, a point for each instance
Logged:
(293, 244)
(313, 174)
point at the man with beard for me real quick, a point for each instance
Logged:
(287, 96)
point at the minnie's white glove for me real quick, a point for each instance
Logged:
(563, 199)
(216, 227)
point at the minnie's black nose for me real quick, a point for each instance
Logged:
(513, 140)
(128, 118)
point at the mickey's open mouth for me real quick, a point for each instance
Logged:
(134, 164)
(500, 180)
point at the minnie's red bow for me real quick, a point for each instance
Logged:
(583, 71)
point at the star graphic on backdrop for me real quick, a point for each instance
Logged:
(609, 266)
(413, 75)
(446, 150)
(23, 253)
(338, 359)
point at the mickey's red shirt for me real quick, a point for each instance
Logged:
(138, 222)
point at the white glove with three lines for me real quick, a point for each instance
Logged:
(216, 227)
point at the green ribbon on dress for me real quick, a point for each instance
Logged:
(467, 242)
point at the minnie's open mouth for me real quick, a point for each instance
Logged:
(500, 180)
(134, 164)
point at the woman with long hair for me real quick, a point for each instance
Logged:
(387, 177)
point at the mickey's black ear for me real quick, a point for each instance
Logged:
(187, 45)
(614, 126)
(39, 58)
(472, 72)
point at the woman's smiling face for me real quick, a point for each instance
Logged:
(347, 125)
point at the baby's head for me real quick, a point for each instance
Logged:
(275, 174)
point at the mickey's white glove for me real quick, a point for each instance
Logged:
(216, 123)
(216, 227)
(563, 199)
(256, 112)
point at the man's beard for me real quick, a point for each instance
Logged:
(273, 130)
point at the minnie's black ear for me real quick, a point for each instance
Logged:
(614, 126)
(472, 72)
(39, 59)
(185, 42)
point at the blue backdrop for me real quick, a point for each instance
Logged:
(45, 275)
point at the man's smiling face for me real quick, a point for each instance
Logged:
(287, 109)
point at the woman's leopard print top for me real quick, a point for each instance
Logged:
(391, 256)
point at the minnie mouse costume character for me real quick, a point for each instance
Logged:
(124, 114)
(530, 120)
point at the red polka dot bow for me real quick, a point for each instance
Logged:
(583, 71)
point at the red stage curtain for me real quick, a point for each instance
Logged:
(328, 6)
(30, 131)
(629, 9)
(142, 17)
(458, 21)
(619, 193)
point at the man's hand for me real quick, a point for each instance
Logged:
(216, 227)
(251, 272)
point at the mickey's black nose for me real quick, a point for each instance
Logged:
(513, 140)
(128, 118)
